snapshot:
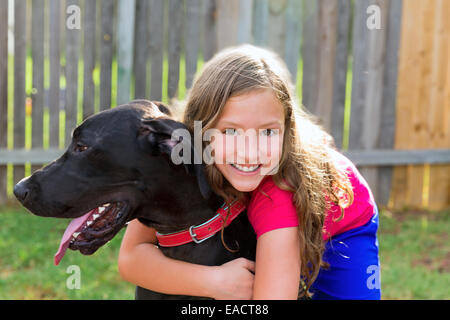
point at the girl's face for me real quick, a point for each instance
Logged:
(250, 141)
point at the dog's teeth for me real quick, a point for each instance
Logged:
(95, 216)
(76, 234)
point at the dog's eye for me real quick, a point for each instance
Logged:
(80, 147)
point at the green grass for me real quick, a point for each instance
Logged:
(27, 246)
(414, 253)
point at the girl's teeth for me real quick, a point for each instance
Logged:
(245, 169)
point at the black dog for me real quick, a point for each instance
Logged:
(118, 168)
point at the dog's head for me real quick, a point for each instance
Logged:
(118, 167)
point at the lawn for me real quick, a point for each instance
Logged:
(414, 251)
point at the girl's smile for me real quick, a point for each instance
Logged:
(251, 137)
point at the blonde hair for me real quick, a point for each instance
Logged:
(306, 166)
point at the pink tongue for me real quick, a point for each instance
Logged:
(74, 226)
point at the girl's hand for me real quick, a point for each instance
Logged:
(234, 280)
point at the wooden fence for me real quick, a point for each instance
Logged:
(376, 72)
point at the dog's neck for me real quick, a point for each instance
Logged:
(179, 211)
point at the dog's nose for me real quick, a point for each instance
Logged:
(21, 191)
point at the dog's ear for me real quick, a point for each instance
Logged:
(157, 135)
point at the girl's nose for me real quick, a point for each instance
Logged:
(247, 149)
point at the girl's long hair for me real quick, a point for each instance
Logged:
(306, 166)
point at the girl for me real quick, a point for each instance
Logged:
(313, 213)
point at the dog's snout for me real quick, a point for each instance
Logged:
(21, 190)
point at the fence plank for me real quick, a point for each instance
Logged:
(388, 116)
(261, 22)
(125, 39)
(156, 48)
(293, 32)
(413, 75)
(407, 93)
(72, 56)
(277, 31)
(37, 93)
(174, 49)
(340, 72)
(310, 54)
(327, 54)
(106, 52)
(244, 32)
(374, 91)
(419, 136)
(209, 29)
(438, 120)
(191, 43)
(227, 23)
(89, 58)
(55, 69)
(3, 95)
(359, 80)
(20, 53)
(141, 49)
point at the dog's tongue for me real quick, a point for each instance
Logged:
(74, 226)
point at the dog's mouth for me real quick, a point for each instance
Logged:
(93, 229)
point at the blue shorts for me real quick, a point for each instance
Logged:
(354, 271)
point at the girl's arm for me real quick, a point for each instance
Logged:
(277, 265)
(142, 263)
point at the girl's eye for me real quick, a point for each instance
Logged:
(268, 132)
(230, 131)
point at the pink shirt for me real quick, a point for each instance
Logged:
(279, 211)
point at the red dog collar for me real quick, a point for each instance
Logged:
(203, 231)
